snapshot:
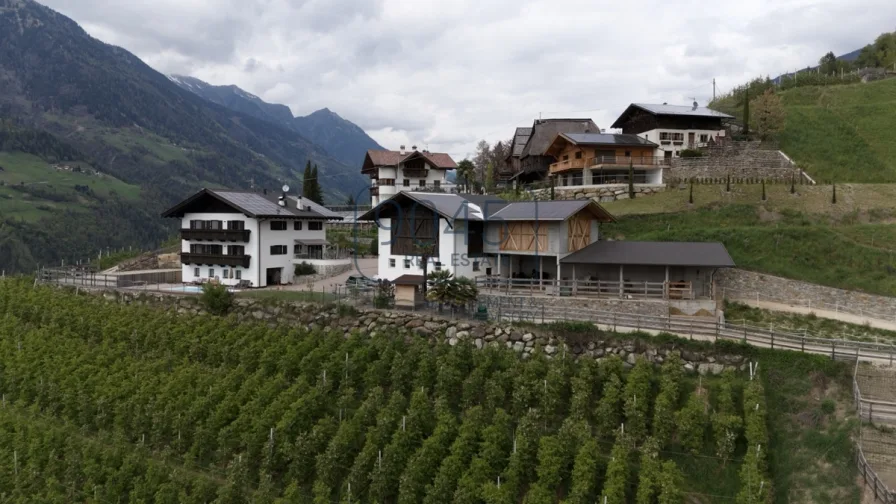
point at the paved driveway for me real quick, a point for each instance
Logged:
(365, 266)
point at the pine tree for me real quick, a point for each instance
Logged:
(490, 178)
(631, 180)
(834, 195)
(350, 201)
(763, 190)
(317, 195)
(307, 186)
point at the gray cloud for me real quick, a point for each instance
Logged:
(449, 72)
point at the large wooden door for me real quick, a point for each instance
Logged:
(579, 235)
(524, 236)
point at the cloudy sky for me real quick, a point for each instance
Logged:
(446, 73)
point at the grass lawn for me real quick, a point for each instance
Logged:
(736, 313)
(24, 168)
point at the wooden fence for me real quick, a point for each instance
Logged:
(585, 288)
(872, 411)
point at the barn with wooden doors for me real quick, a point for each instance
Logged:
(632, 269)
(527, 239)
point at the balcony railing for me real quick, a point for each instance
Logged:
(234, 235)
(215, 259)
(626, 160)
(569, 164)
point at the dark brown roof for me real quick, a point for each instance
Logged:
(392, 158)
(409, 280)
(697, 254)
(544, 131)
(520, 137)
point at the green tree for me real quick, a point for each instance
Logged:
(350, 201)
(691, 192)
(216, 299)
(317, 195)
(490, 178)
(763, 190)
(828, 64)
(692, 423)
(770, 115)
(834, 194)
(466, 172)
(746, 112)
(307, 180)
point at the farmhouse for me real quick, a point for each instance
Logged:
(249, 239)
(548, 247)
(401, 170)
(529, 159)
(588, 159)
(673, 127)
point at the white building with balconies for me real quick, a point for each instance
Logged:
(249, 239)
(674, 128)
(394, 171)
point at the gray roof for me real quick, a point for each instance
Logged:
(544, 131)
(607, 139)
(541, 210)
(308, 204)
(520, 137)
(685, 110)
(251, 204)
(707, 255)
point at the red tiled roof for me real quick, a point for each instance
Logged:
(392, 158)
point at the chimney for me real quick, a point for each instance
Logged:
(695, 106)
(299, 204)
(414, 148)
(401, 150)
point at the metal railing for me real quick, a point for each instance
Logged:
(709, 329)
(627, 160)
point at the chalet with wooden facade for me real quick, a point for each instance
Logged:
(401, 170)
(534, 161)
(549, 247)
(585, 159)
(512, 163)
(249, 239)
(673, 127)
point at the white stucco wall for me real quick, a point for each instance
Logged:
(250, 273)
(654, 136)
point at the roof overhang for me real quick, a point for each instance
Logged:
(178, 211)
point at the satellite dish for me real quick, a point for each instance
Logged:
(285, 188)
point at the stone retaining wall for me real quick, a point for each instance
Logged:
(742, 284)
(740, 160)
(601, 194)
(523, 340)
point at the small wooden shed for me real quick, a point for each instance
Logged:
(409, 291)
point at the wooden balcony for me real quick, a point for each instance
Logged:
(215, 259)
(569, 164)
(231, 235)
(639, 161)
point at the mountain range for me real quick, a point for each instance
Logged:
(67, 97)
(342, 139)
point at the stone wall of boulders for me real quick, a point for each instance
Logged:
(740, 160)
(524, 340)
(600, 194)
(737, 284)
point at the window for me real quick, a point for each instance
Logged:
(211, 272)
(704, 138)
(297, 249)
(315, 226)
(406, 182)
(628, 153)
(386, 182)
(199, 248)
(196, 224)
(197, 273)
(297, 225)
(278, 250)
(476, 266)
(566, 157)
(438, 266)
(579, 155)
(407, 264)
(236, 225)
(215, 224)
(224, 274)
(236, 250)
(437, 184)
(239, 274)
(422, 183)
(666, 136)
(391, 263)
(278, 225)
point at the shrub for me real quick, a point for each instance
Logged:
(374, 247)
(691, 153)
(828, 406)
(384, 294)
(216, 299)
(303, 269)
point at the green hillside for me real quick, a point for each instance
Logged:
(849, 244)
(843, 133)
(110, 402)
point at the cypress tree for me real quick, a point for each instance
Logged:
(552, 188)
(728, 183)
(691, 194)
(792, 184)
(306, 181)
(834, 196)
(763, 190)
(631, 179)
(317, 195)
(747, 112)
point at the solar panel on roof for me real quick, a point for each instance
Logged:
(253, 203)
